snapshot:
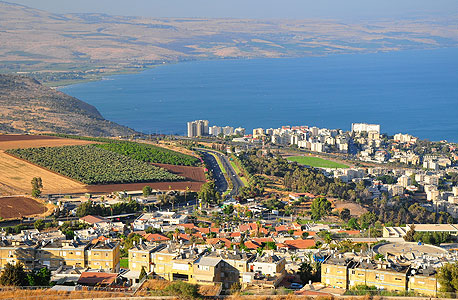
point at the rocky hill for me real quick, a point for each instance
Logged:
(28, 106)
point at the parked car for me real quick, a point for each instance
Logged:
(296, 286)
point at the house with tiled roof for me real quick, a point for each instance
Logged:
(219, 242)
(155, 237)
(252, 245)
(296, 244)
(99, 279)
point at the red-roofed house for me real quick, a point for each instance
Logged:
(99, 239)
(97, 279)
(187, 226)
(155, 237)
(235, 234)
(297, 244)
(252, 245)
(262, 240)
(248, 227)
(184, 236)
(281, 228)
(219, 241)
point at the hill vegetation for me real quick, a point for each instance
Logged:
(29, 107)
(93, 165)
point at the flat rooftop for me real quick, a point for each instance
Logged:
(409, 249)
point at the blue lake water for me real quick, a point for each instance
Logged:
(412, 92)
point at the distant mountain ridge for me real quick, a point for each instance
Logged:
(29, 107)
(37, 40)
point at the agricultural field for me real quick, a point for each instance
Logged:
(16, 207)
(150, 153)
(93, 165)
(15, 141)
(16, 175)
(316, 162)
(189, 173)
(65, 173)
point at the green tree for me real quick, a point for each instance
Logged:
(270, 246)
(13, 275)
(367, 219)
(183, 290)
(41, 277)
(37, 185)
(235, 288)
(305, 272)
(147, 190)
(208, 193)
(39, 224)
(228, 209)
(320, 207)
(345, 214)
(142, 273)
(447, 277)
(353, 223)
(410, 235)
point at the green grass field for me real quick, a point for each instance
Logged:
(316, 162)
(124, 263)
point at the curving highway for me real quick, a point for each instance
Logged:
(218, 175)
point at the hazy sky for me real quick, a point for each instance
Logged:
(340, 9)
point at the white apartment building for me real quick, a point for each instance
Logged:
(364, 127)
(198, 128)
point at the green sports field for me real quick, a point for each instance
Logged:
(316, 162)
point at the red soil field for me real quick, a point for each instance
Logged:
(195, 179)
(191, 173)
(14, 141)
(22, 137)
(16, 207)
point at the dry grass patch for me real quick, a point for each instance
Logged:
(16, 175)
(57, 295)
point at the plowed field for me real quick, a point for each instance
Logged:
(16, 207)
(15, 141)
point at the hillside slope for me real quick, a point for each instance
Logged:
(28, 106)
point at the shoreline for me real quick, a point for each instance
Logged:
(127, 71)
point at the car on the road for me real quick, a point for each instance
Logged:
(296, 286)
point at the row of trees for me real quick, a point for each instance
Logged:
(92, 165)
(434, 238)
(15, 275)
(91, 208)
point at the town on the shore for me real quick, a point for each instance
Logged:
(386, 222)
